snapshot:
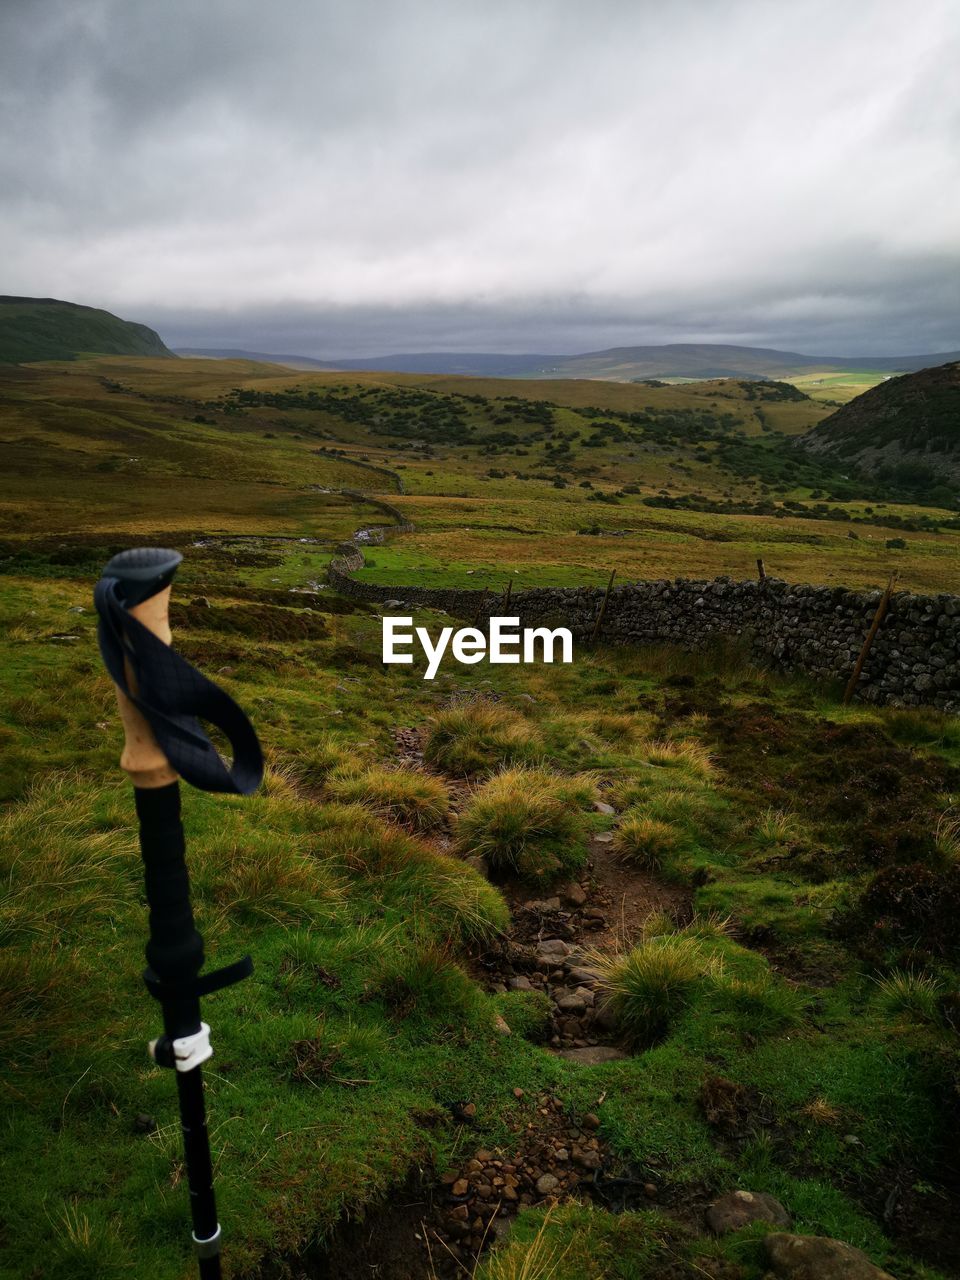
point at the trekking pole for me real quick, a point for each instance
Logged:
(160, 697)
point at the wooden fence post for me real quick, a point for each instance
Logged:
(878, 617)
(761, 571)
(603, 607)
(509, 592)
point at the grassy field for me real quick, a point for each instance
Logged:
(652, 481)
(775, 877)
(838, 387)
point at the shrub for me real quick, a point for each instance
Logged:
(646, 842)
(411, 797)
(527, 821)
(654, 982)
(478, 737)
(906, 913)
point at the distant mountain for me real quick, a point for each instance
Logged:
(621, 364)
(904, 425)
(477, 364)
(261, 357)
(48, 329)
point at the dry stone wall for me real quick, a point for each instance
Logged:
(813, 630)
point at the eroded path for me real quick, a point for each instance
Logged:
(548, 948)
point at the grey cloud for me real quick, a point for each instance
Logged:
(517, 174)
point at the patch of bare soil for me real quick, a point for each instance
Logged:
(550, 940)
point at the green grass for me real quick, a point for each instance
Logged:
(38, 329)
(479, 736)
(528, 821)
(414, 799)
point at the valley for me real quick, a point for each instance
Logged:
(553, 958)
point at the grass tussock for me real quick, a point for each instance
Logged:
(645, 842)
(541, 1258)
(776, 828)
(528, 821)
(467, 905)
(410, 797)
(477, 737)
(709, 926)
(948, 835)
(463, 905)
(84, 1246)
(321, 757)
(912, 994)
(650, 985)
(425, 984)
(688, 756)
(619, 727)
(764, 1005)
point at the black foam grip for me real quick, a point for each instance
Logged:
(173, 697)
(175, 949)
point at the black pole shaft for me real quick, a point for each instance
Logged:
(175, 956)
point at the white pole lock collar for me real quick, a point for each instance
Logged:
(188, 1051)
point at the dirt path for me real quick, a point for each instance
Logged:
(556, 1152)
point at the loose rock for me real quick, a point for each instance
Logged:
(735, 1209)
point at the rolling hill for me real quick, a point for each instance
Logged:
(34, 329)
(619, 364)
(908, 422)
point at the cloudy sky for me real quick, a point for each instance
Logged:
(352, 177)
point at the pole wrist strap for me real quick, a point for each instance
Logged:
(173, 696)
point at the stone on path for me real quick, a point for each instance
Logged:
(553, 947)
(593, 1055)
(574, 895)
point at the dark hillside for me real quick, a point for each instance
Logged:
(905, 423)
(48, 329)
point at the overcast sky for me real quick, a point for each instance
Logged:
(351, 177)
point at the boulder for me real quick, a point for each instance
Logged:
(735, 1209)
(818, 1258)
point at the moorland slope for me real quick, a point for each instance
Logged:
(47, 329)
(906, 426)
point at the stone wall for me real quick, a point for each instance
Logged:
(813, 630)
